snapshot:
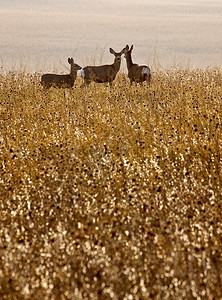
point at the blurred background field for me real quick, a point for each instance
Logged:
(111, 193)
(38, 35)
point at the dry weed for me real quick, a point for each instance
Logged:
(111, 193)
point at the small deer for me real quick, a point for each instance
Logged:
(61, 81)
(135, 72)
(104, 73)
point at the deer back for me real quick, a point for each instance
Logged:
(135, 72)
(61, 81)
(138, 73)
(104, 73)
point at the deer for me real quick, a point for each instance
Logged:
(61, 81)
(136, 73)
(103, 73)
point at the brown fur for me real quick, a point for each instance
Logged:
(61, 81)
(136, 73)
(104, 73)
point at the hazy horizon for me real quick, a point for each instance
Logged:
(42, 35)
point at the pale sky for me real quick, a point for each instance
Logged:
(41, 35)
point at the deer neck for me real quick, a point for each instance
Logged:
(72, 71)
(129, 60)
(116, 64)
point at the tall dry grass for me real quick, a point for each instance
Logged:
(112, 193)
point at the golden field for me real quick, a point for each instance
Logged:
(111, 193)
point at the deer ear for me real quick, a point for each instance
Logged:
(123, 51)
(70, 61)
(112, 51)
(127, 47)
(131, 48)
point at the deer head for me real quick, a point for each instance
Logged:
(117, 54)
(128, 51)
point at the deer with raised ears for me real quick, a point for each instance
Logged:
(136, 73)
(61, 81)
(104, 73)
